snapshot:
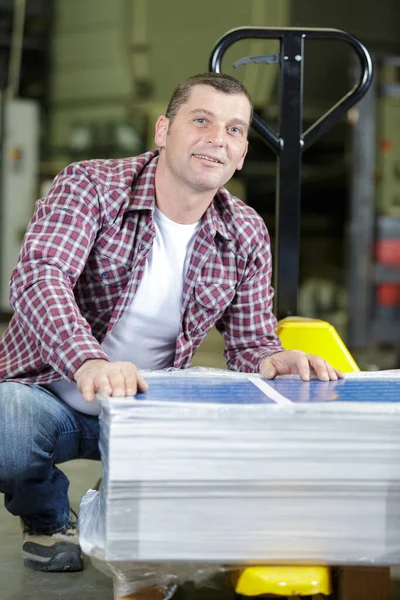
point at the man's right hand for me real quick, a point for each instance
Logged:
(110, 378)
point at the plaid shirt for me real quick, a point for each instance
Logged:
(83, 258)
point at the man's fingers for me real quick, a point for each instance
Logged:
(142, 384)
(87, 389)
(117, 381)
(303, 366)
(320, 367)
(110, 378)
(323, 370)
(268, 369)
(88, 386)
(331, 372)
(297, 362)
(134, 382)
(103, 385)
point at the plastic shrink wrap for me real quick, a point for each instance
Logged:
(211, 469)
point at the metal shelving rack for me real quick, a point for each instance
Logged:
(374, 218)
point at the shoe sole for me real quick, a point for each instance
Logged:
(59, 558)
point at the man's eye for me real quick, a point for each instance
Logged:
(235, 130)
(200, 120)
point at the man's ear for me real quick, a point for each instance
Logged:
(241, 161)
(161, 131)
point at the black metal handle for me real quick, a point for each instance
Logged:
(291, 141)
(332, 115)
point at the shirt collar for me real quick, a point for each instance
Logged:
(143, 189)
(213, 216)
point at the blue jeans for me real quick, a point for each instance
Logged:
(37, 432)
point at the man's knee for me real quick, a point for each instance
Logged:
(28, 429)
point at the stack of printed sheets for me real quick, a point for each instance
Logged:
(219, 467)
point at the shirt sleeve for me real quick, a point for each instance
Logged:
(54, 253)
(249, 325)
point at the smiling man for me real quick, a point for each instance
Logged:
(203, 143)
(126, 265)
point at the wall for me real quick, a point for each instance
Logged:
(376, 24)
(108, 55)
(115, 59)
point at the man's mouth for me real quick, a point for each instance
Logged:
(209, 158)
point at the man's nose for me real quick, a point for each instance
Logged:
(216, 135)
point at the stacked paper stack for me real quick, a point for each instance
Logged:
(228, 468)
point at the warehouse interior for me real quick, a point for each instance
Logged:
(84, 79)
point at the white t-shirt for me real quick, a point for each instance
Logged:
(146, 333)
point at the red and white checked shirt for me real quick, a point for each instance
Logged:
(83, 258)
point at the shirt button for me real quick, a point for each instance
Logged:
(104, 275)
(141, 246)
(66, 372)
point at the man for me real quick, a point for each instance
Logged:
(126, 265)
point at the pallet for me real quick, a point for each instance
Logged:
(363, 583)
(354, 583)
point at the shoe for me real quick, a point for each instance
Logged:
(55, 552)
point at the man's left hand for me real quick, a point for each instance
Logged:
(290, 362)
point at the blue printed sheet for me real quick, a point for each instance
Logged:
(212, 389)
(343, 390)
(204, 390)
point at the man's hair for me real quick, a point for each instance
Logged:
(222, 83)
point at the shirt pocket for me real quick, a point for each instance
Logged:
(210, 302)
(108, 271)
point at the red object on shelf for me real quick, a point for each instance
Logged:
(388, 253)
(388, 294)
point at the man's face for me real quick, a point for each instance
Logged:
(207, 140)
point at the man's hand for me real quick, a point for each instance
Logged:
(295, 362)
(110, 378)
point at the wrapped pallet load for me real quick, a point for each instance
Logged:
(211, 469)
